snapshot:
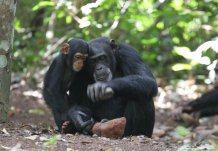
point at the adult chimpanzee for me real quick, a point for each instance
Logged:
(124, 86)
(206, 105)
(66, 69)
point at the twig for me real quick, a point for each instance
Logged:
(54, 47)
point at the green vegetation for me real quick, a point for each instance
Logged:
(165, 32)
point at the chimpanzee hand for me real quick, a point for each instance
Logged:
(81, 125)
(99, 91)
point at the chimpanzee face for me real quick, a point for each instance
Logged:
(78, 61)
(101, 60)
(76, 52)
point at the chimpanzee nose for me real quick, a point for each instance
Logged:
(98, 68)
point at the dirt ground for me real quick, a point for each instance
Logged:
(31, 128)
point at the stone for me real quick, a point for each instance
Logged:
(110, 129)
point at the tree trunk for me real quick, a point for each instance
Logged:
(7, 12)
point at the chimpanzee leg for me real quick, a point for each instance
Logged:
(56, 114)
(59, 118)
(140, 118)
(209, 111)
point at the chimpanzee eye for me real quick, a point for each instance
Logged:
(77, 57)
(102, 58)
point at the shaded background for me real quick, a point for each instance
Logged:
(177, 38)
(166, 33)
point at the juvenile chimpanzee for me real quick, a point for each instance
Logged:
(124, 86)
(64, 70)
(207, 104)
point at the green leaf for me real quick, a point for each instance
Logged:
(37, 111)
(160, 25)
(177, 4)
(182, 131)
(43, 4)
(53, 140)
(176, 40)
(17, 24)
(181, 66)
(68, 19)
(182, 51)
(213, 143)
(61, 14)
(109, 149)
(150, 41)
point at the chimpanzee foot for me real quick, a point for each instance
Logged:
(67, 128)
(110, 129)
(87, 127)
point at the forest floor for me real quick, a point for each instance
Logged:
(31, 128)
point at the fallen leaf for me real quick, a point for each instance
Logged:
(182, 131)
(159, 132)
(5, 147)
(109, 149)
(33, 137)
(37, 111)
(42, 138)
(53, 140)
(213, 143)
(5, 131)
(86, 142)
(70, 149)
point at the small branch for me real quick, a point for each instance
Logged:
(54, 47)
(122, 11)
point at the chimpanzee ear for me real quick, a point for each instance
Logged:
(113, 44)
(65, 48)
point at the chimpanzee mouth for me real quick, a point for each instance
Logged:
(103, 77)
(100, 79)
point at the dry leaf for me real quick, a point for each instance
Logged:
(5, 131)
(33, 137)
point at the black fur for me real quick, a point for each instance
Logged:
(207, 104)
(133, 85)
(59, 79)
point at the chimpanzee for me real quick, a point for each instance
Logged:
(64, 71)
(124, 86)
(207, 104)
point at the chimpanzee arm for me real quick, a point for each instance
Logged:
(207, 100)
(209, 111)
(137, 78)
(53, 93)
(53, 85)
(134, 85)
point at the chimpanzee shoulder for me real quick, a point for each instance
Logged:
(130, 62)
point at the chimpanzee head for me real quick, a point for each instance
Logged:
(102, 61)
(75, 53)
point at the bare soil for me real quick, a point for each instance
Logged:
(31, 128)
